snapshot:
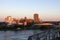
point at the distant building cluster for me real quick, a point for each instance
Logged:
(26, 23)
(24, 20)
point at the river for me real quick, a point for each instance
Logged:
(17, 35)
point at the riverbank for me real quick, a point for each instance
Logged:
(27, 28)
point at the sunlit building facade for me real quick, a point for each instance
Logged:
(9, 19)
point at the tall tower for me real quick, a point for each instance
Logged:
(36, 18)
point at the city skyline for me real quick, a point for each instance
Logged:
(47, 9)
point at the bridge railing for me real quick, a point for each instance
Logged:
(48, 35)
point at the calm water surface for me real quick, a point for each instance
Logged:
(17, 35)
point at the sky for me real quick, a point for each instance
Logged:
(47, 9)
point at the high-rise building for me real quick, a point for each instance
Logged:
(25, 21)
(36, 18)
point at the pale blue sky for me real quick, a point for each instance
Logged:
(47, 9)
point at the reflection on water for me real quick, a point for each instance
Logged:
(17, 35)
